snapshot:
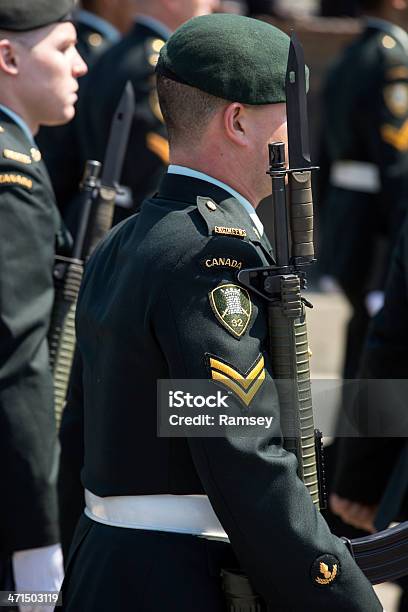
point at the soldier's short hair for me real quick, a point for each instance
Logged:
(186, 110)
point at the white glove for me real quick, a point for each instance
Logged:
(374, 301)
(38, 570)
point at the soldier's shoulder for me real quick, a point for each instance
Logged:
(389, 50)
(18, 157)
(190, 232)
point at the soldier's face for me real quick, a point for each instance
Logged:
(49, 69)
(268, 125)
(195, 8)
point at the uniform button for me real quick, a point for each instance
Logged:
(210, 205)
(388, 42)
(95, 40)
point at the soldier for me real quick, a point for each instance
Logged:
(373, 461)
(366, 131)
(39, 68)
(99, 24)
(134, 59)
(160, 299)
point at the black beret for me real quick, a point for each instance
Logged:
(229, 56)
(24, 15)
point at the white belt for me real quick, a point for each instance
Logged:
(356, 176)
(192, 514)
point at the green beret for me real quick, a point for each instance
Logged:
(229, 56)
(24, 15)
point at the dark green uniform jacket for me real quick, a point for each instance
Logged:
(365, 464)
(366, 120)
(144, 314)
(134, 59)
(60, 145)
(366, 101)
(29, 222)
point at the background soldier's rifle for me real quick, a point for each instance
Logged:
(97, 204)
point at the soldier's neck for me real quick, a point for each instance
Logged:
(230, 174)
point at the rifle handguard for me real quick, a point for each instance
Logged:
(301, 214)
(291, 368)
(61, 338)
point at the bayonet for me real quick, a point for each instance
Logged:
(97, 203)
(296, 108)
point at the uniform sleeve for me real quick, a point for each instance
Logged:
(385, 364)
(388, 144)
(251, 481)
(70, 489)
(28, 447)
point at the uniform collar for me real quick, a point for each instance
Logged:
(196, 192)
(19, 121)
(97, 23)
(184, 171)
(155, 25)
(389, 28)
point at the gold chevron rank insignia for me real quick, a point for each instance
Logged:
(232, 306)
(245, 386)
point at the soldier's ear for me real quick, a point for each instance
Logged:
(235, 123)
(8, 57)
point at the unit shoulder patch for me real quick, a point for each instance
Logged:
(16, 179)
(396, 98)
(325, 570)
(244, 385)
(16, 156)
(232, 306)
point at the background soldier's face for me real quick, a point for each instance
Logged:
(195, 8)
(48, 71)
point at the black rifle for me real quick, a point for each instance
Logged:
(280, 285)
(97, 204)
